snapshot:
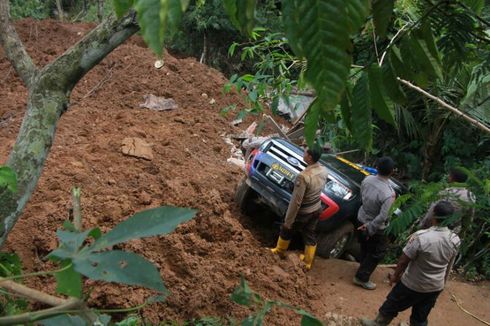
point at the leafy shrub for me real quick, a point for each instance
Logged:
(474, 257)
(37, 9)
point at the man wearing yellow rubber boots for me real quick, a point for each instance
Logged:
(304, 208)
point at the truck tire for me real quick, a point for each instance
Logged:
(333, 244)
(246, 198)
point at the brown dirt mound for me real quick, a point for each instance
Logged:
(202, 261)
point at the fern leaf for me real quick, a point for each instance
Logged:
(382, 11)
(156, 17)
(319, 31)
(346, 110)
(311, 121)
(475, 5)
(427, 62)
(357, 11)
(391, 85)
(362, 128)
(377, 94)
(399, 67)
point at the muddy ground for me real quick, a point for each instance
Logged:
(202, 261)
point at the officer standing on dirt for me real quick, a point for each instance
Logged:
(304, 208)
(461, 199)
(377, 198)
(421, 272)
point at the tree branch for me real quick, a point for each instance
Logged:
(13, 47)
(447, 106)
(66, 70)
(48, 99)
(31, 293)
(35, 315)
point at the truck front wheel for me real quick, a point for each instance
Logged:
(333, 244)
(246, 198)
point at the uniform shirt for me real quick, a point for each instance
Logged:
(377, 198)
(430, 252)
(458, 197)
(306, 194)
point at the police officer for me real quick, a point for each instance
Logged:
(461, 199)
(304, 208)
(377, 198)
(421, 272)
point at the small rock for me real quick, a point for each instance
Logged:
(111, 182)
(236, 122)
(77, 164)
(212, 101)
(204, 95)
(180, 120)
(145, 198)
(137, 147)
(157, 103)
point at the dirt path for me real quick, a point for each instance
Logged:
(337, 294)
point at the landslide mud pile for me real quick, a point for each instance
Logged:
(202, 261)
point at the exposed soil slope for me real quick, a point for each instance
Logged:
(202, 261)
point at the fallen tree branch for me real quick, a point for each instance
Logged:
(31, 293)
(40, 314)
(458, 112)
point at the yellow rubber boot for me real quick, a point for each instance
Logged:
(281, 247)
(308, 257)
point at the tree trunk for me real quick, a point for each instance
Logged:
(204, 49)
(49, 94)
(432, 146)
(100, 10)
(59, 8)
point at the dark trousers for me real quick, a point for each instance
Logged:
(373, 250)
(401, 298)
(306, 226)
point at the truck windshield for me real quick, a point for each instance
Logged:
(353, 174)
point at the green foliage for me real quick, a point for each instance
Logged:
(156, 18)
(382, 12)
(357, 12)
(326, 46)
(121, 267)
(277, 71)
(69, 281)
(242, 14)
(115, 266)
(10, 265)
(8, 180)
(37, 9)
(92, 258)
(378, 96)
(361, 112)
(475, 219)
(8, 192)
(121, 7)
(131, 320)
(64, 320)
(245, 296)
(148, 223)
(413, 205)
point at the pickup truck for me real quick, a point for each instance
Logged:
(270, 173)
